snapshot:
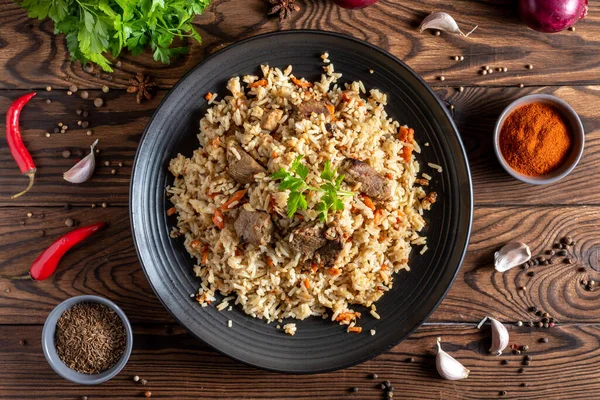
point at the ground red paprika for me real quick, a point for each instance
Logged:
(535, 139)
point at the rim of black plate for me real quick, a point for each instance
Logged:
(466, 233)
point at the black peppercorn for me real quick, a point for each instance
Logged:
(503, 393)
(533, 309)
(354, 389)
(562, 253)
(373, 376)
(544, 340)
(531, 273)
(505, 362)
(521, 370)
(528, 358)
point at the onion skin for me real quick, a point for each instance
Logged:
(551, 16)
(353, 4)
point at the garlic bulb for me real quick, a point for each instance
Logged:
(511, 255)
(499, 337)
(84, 169)
(448, 367)
(443, 22)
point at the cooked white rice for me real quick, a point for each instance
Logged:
(272, 282)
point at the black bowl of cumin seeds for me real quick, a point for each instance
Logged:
(87, 339)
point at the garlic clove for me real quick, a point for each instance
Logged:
(499, 337)
(448, 367)
(511, 255)
(443, 22)
(84, 169)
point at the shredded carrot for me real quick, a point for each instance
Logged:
(368, 202)
(218, 219)
(262, 82)
(356, 329)
(407, 150)
(314, 267)
(331, 109)
(273, 154)
(270, 262)
(208, 96)
(346, 317)
(171, 211)
(302, 84)
(306, 283)
(407, 135)
(216, 141)
(360, 103)
(389, 175)
(205, 257)
(237, 196)
(334, 271)
(384, 267)
(194, 244)
(377, 215)
(345, 97)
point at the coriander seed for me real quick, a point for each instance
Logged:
(98, 102)
(84, 94)
(105, 89)
(136, 378)
(529, 66)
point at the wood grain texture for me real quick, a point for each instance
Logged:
(120, 123)
(31, 56)
(107, 265)
(178, 366)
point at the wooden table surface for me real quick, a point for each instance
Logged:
(176, 364)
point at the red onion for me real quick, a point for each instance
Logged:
(552, 15)
(354, 3)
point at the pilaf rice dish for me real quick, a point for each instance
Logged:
(302, 200)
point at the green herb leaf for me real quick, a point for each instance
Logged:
(96, 29)
(294, 180)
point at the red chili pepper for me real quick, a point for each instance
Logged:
(15, 141)
(46, 263)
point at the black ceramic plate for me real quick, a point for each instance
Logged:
(319, 345)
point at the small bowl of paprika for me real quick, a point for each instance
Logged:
(539, 139)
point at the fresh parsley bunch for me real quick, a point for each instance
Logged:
(294, 180)
(96, 27)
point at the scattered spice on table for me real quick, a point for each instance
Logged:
(136, 378)
(22, 342)
(148, 394)
(105, 89)
(143, 382)
(98, 102)
(544, 340)
(66, 153)
(354, 389)
(143, 86)
(15, 141)
(90, 338)
(535, 139)
(69, 222)
(84, 94)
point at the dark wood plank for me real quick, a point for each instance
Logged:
(178, 366)
(107, 265)
(120, 123)
(32, 56)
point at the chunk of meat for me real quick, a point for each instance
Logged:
(328, 254)
(270, 120)
(372, 183)
(307, 238)
(306, 108)
(242, 167)
(254, 227)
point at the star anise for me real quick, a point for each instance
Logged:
(143, 86)
(283, 7)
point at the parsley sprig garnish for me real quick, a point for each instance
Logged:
(294, 180)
